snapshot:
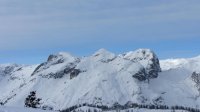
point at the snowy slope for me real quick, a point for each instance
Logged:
(12, 109)
(191, 64)
(103, 78)
(82, 109)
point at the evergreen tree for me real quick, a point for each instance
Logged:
(32, 101)
(95, 110)
(89, 110)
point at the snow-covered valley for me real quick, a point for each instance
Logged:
(103, 79)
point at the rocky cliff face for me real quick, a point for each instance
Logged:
(196, 78)
(7, 69)
(148, 59)
(57, 66)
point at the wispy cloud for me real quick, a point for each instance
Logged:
(41, 24)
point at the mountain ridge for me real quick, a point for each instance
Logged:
(103, 78)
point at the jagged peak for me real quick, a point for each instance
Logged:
(61, 55)
(104, 55)
(147, 58)
(140, 53)
(103, 51)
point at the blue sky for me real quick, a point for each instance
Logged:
(30, 30)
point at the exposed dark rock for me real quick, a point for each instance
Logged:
(140, 75)
(153, 67)
(71, 70)
(51, 57)
(7, 99)
(8, 69)
(68, 70)
(55, 59)
(108, 60)
(19, 69)
(148, 59)
(74, 73)
(38, 67)
(68, 66)
(52, 60)
(47, 107)
(196, 78)
(14, 77)
(56, 75)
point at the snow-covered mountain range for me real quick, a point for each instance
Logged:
(103, 78)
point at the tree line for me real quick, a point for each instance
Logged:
(117, 106)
